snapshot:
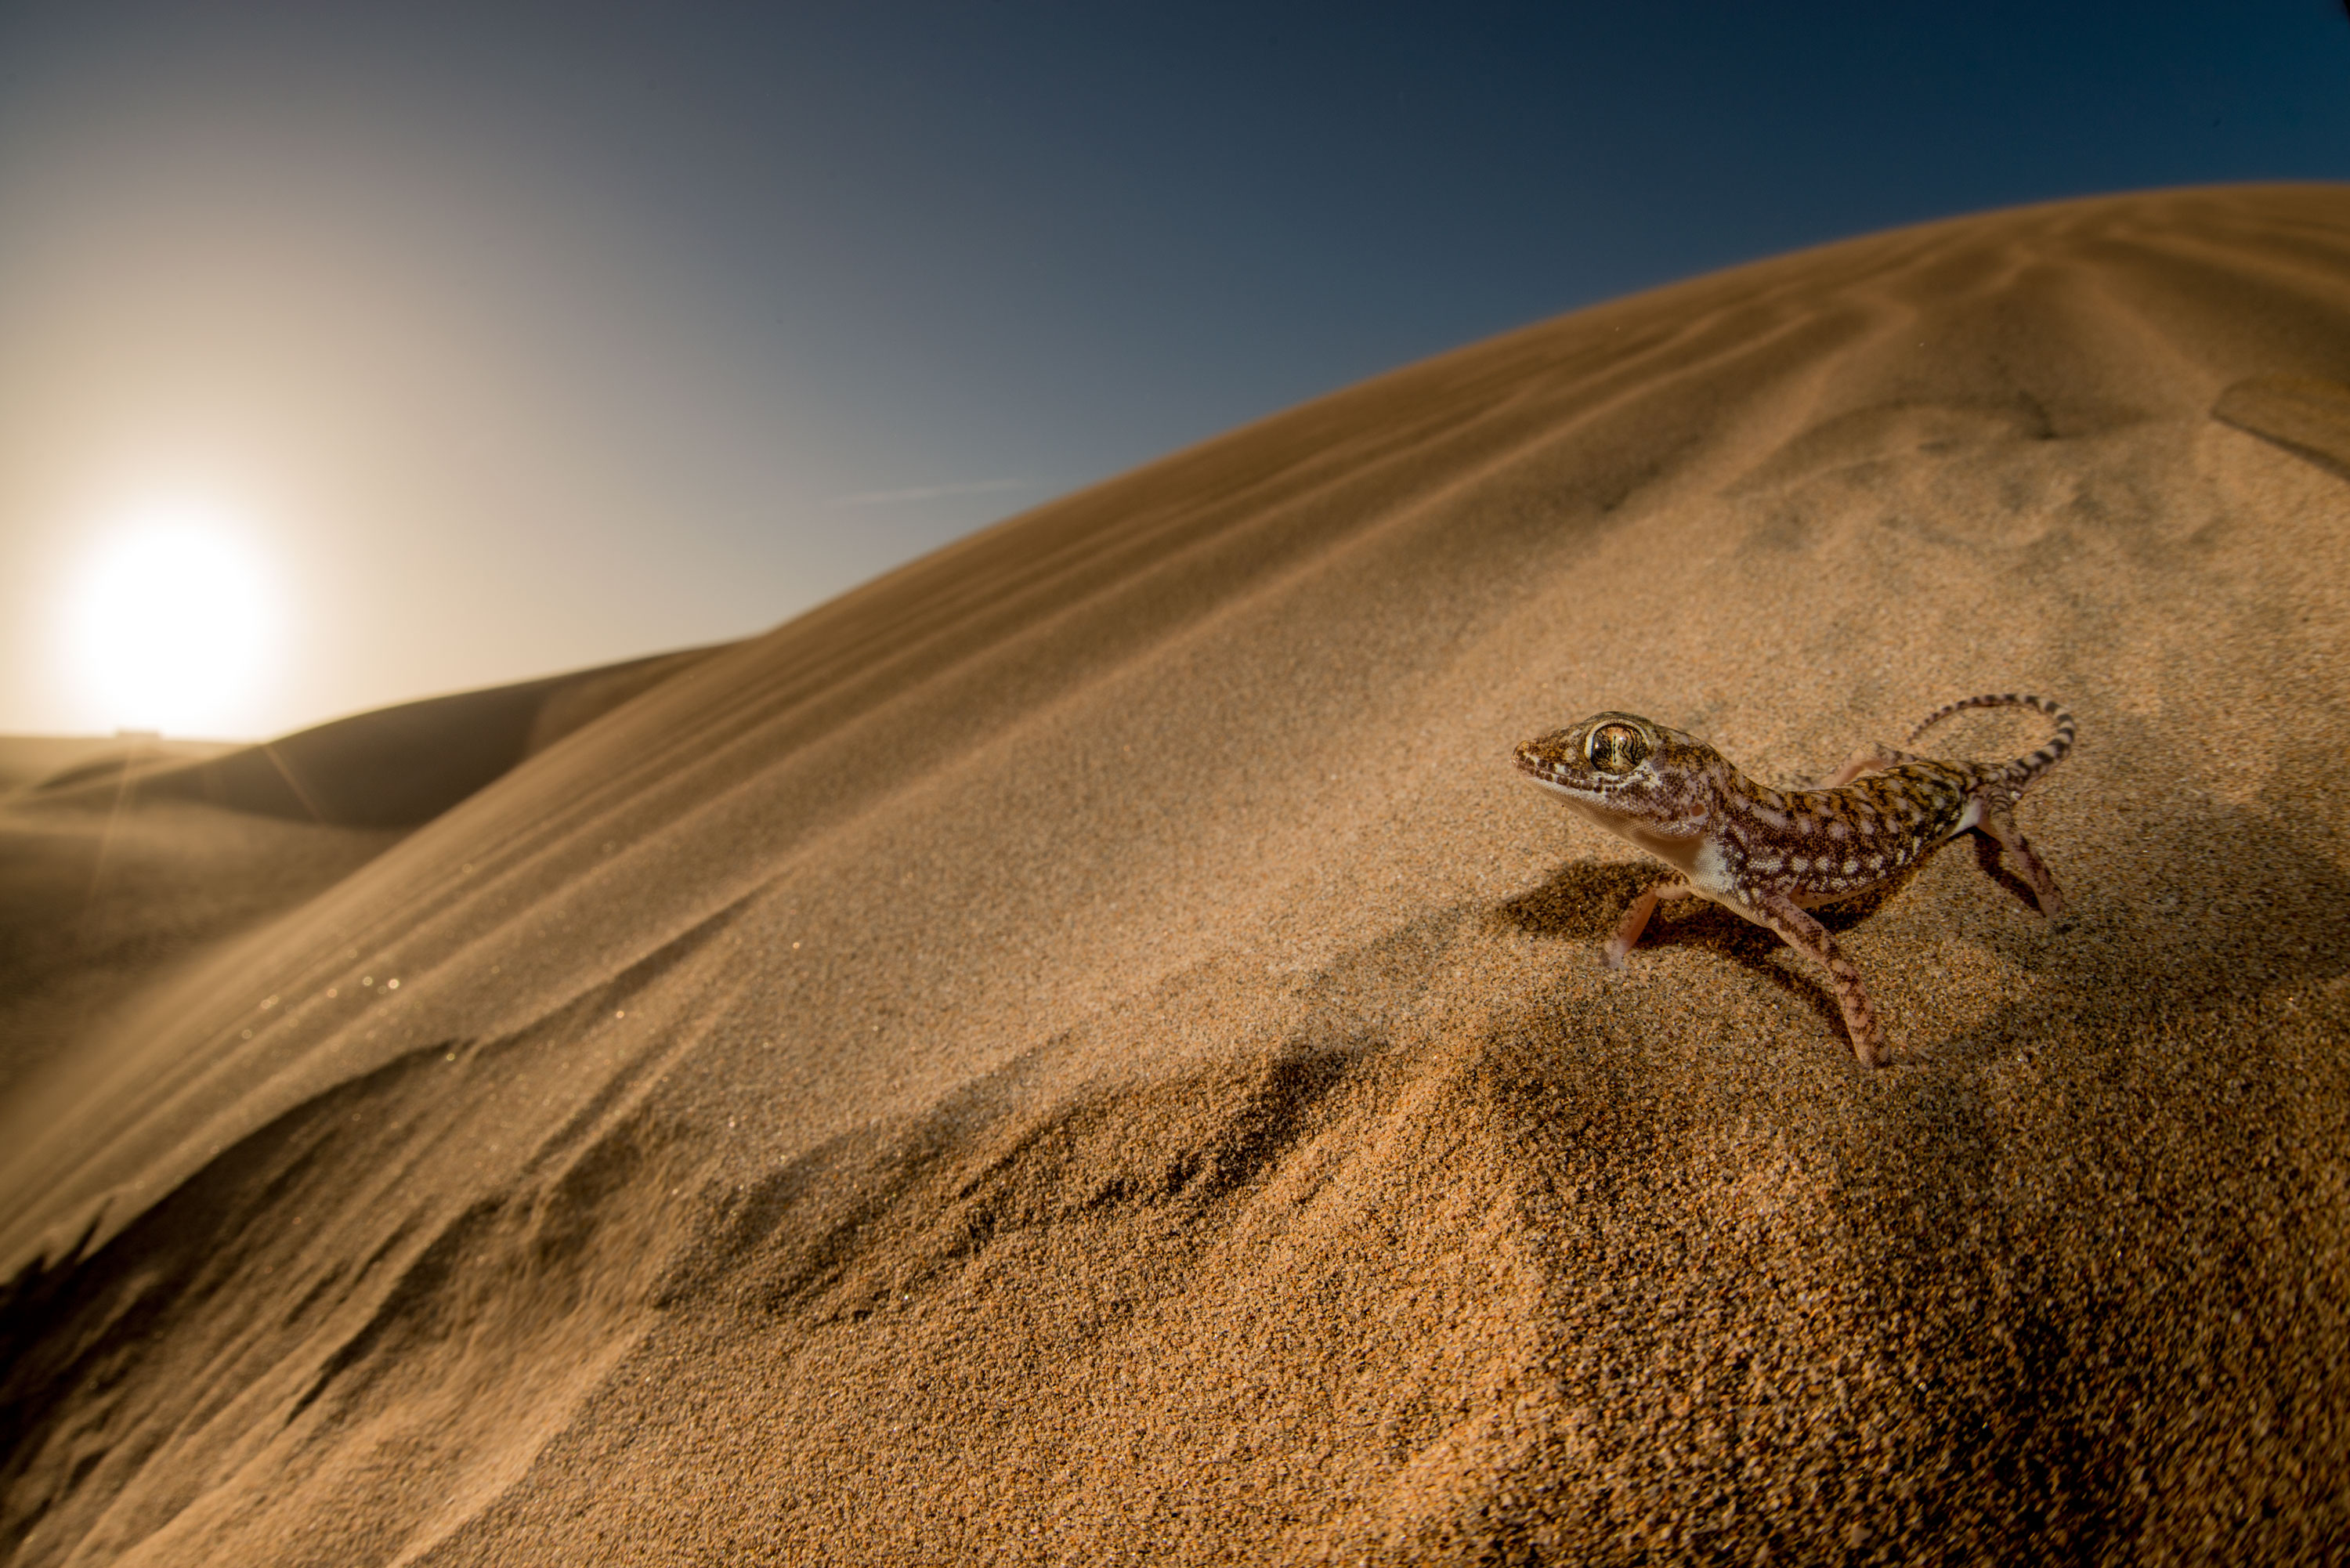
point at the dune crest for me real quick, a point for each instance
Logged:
(1085, 1048)
(392, 767)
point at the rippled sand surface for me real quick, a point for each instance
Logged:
(1083, 1050)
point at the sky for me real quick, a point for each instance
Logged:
(350, 354)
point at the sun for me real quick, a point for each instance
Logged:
(172, 620)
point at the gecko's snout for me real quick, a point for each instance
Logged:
(1543, 757)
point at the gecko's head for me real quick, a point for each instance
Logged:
(1602, 756)
(1619, 767)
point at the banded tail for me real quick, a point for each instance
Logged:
(2024, 769)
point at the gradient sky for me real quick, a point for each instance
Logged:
(513, 339)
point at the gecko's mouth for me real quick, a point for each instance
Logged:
(1550, 772)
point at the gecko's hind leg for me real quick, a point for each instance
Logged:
(1635, 918)
(1998, 825)
(1872, 758)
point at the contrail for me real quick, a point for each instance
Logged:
(933, 492)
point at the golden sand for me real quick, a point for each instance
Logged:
(1084, 1050)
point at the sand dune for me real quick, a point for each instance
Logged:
(29, 761)
(393, 767)
(124, 859)
(1084, 1050)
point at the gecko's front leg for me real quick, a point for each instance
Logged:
(1795, 925)
(1635, 918)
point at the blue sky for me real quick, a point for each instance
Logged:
(519, 338)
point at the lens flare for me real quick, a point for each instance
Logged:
(172, 621)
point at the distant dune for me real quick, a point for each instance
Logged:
(28, 760)
(395, 767)
(1083, 1050)
(117, 865)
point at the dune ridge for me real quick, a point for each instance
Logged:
(390, 767)
(1082, 1049)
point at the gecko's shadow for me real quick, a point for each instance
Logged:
(1584, 901)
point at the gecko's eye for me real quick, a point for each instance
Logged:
(1615, 749)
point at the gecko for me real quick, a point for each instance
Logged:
(1771, 855)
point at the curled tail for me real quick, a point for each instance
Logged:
(1994, 798)
(2024, 769)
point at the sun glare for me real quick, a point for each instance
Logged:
(172, 621)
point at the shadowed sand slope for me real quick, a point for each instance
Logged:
(1083, 1050)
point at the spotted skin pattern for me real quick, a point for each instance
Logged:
(1771, 855)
